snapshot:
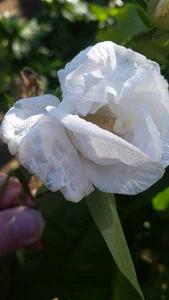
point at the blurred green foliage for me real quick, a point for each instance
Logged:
(161, 200)
(45, 43)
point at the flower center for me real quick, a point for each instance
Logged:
(106, 123)
(106, 120)
(103, 118)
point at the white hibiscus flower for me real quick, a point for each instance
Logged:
(110, 130)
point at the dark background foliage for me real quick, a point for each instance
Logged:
(44, 35)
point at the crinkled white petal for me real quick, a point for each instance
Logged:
(146, 136)
(43, 147)
(21, 116)
(122, 179)
(130, 85)
(145, 96)
(47, 152)
(104, 65)
(112, 164)
(36, 105)
(97, 144)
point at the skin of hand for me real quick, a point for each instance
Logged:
(20, 226)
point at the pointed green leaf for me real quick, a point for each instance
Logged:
(103, 209)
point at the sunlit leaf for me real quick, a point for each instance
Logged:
(101, 13)
(127, 24)
(153, 45)
(161, 200)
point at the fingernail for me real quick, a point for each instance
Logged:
(27, 226)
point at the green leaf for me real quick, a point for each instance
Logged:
(127, 24)
(144, 16)
(100, 12)
(154, 45)
(161, 200)
(103, 209)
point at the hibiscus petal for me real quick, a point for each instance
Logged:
(36, 105)
(97, 144)
(47, 152)
(85, 71)
(20, 117)
(146, 135)
(146, 93)
(43, 147)
(122, 179)
(105, 66)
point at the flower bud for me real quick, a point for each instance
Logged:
(159, 13)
